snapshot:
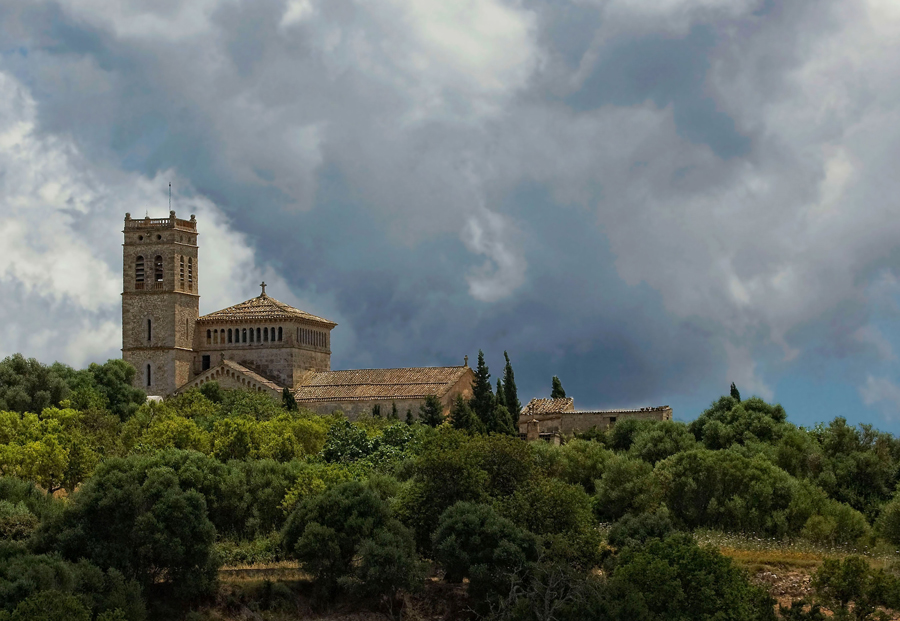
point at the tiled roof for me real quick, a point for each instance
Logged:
(548, 406)
(262, 308)
(365, 384)
(230, 365)
(657, 408)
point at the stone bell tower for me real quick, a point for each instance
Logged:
(160, 300)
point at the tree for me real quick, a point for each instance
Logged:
(409, 416)
(394, 414)
(29, 386)
(137, 519)
(431, 412)
(840, 583)
(472, 541)
(735, 393)
(462, 417)
(557, 391)
(288, 402)
(889, 521)
(388, 563)
(114, 379)
(510, 393)
(376, 410)
(500, 395)
(325, 533)
(482, 402)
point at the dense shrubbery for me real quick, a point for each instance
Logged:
(158, 495)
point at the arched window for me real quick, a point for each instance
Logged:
(209, 337)
(139, 272)
(181, 272)
(149, 330)
(190, 274)
(215, 337)
(258, 334)
(266, 334)
(280, 333)
(149, 378)
(244, 335)
(251, 335)
(158, 269)
(229, 335)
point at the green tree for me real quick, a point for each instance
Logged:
(482, 402)
(662, 439)
(462, 417)
(326, 533)
(346, 443)
(888, 523)
(29, 386)
(49, 606)
(409, 416)
(852, 581)
(472, 541)
(376, 410)
(500, 394)
(735, 393)
(388, 564)
(557, 391)
(431, 412)
(137, 519)
(394, 414)
(114, 379)
(511, 394)
(288, 402)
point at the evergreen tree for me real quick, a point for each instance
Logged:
(431, 412)
(394, 414)
(502, 421)
(287, 401)
(482, 402)
(500, 394)
(735, 392)
(510, 394)
(409, 416)
(558, 392)
(376, 410)
(462, 417)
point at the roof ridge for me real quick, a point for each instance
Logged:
(393, 369)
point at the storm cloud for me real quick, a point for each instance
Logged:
(650, 199)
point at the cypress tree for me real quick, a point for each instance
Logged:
(735, 392)
(510, 394)
(462, 417)
(394, 414)
(557, 392)
(431, 412)
(409, 416)
(288, 402)
(376, 410)
(501, 394)
(482, 402)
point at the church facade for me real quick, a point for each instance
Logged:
(260, 344)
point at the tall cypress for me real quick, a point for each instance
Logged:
(557, 392)
(500, 394)
(735, 392)
(510, 394)
(482, 402)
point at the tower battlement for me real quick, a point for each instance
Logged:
(171, 222)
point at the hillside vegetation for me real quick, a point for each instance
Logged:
(116, 509)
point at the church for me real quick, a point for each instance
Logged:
(260, 344)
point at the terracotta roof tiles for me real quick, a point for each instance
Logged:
(365, 384)
(262, 308)
(549, 406)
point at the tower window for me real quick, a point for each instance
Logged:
(205, 363)
(158, 269)
(280, 333)
(244, 335)
(149, 377)
(139, 271)
(266, 335)
(209, 337)
(190, 274)
(149, 329)
(181, 273)
(258, 334)
(229, 335)
(251, 335)
(215, 337)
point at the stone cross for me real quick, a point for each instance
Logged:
(263, 285)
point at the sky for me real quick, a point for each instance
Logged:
(650, 199)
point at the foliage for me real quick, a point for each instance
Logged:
(661, 439)
(510, 392)
(889, 521)
(735, 393)
(557, 391)
(388, 564)
(463, 417)
(482, 402)
(627, 485)
(852, 581)
(288, 402)
(431, 412)
(472, 541)
(139, 520)
(634, 530)
(29, 386)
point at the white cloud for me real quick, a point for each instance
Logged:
(883, 393)
(488, 234)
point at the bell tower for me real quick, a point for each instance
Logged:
(160, 300)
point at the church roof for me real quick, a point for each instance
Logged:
(375, 384)
(549, 406)
(263, 308)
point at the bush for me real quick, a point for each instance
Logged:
(634, 530)
(626, 486)
(660, 440)
(851, 581)
(889, 521)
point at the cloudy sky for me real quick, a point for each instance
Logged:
(648, 198)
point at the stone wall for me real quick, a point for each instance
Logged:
(567, 423)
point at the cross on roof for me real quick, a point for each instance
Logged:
(263, 285)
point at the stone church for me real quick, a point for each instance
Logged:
(260, 344)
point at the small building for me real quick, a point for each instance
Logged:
(550, 419)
